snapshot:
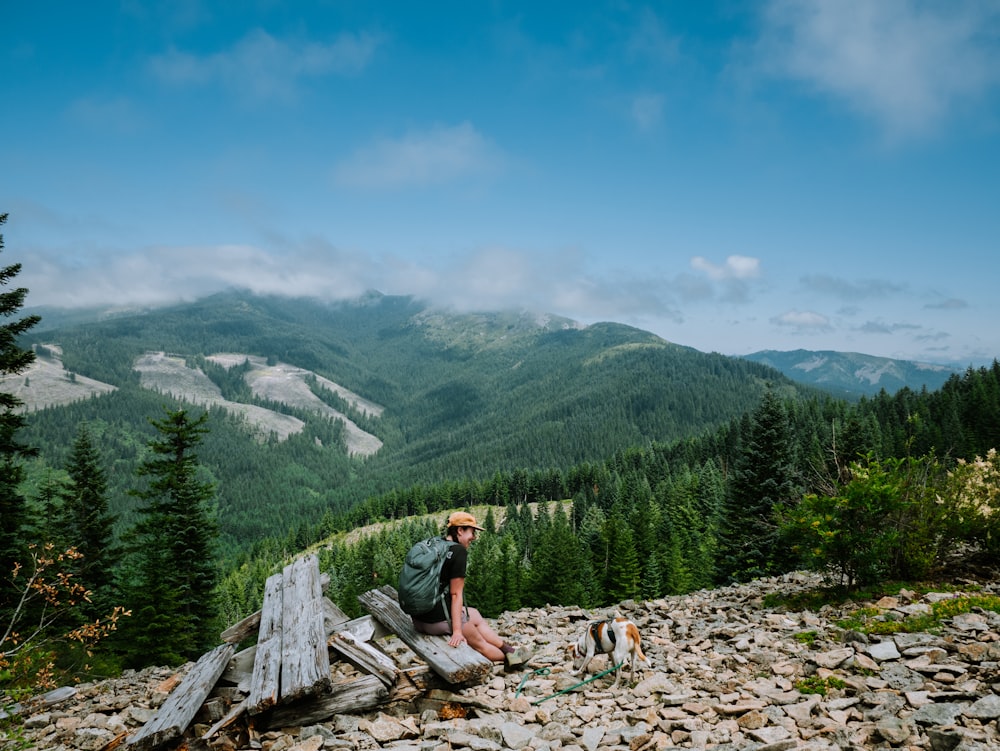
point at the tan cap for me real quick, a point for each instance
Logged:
(463, 519)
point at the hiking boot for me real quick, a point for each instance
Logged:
(517, 658)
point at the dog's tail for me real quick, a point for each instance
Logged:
(633, 634)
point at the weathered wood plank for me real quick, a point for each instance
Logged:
(360, 694)
(264, 684)
(365, 657)
(461, 664)
(179, 709)
(239, 672)
(333, 616)
(244, 628)
(228, 719)
(305, 662)
(48, 699)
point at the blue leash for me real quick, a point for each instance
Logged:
(546, 671)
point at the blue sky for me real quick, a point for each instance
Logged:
(733, 176)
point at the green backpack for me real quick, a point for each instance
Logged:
(420, 587)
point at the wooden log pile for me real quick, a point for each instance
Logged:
(289, 676)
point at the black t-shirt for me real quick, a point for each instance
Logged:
(454, 568)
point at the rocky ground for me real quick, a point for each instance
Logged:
(726, 673)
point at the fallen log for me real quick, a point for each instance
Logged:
(457, 665)
(228, 719)
(245, 628)
(365, 657)
(357, 695)
(179, 709)
(305, 662)
(267, 658)
(48, 699)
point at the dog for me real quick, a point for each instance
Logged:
(618, 637)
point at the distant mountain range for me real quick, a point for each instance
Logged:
(316, 406)
(851, 375)
(848, 375)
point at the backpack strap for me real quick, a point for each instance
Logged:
(595, 631)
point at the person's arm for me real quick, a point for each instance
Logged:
(456, 587)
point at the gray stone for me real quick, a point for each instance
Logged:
(591, 738)
(938, 714)
(833, 658)
(987, 708)
(901, 678)
(894, 730)
(770, 734)
(517, 736)
(883, 651)
(944, 739)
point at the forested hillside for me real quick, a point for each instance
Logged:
(607, 465)
(464, 396)
(666, 518)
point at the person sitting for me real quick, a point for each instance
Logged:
(475, 630)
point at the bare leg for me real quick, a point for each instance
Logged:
(482, 637)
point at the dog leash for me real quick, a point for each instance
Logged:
(546, 671)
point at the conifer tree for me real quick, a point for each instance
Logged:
(559, 568)
(622, 576)
(173, 568)
(765, 481)
(89, 525)
(13, 360)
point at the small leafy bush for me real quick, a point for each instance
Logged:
(894, 519)
(816, 685)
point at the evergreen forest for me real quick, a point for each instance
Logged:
(605, 463)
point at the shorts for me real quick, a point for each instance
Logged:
(437, 628)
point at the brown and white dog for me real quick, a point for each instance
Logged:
(617, 637)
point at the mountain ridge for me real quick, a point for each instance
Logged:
(853, 374)
(465, 396)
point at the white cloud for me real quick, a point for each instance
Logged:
(439, 155)
(263, 67)
(163, 275)
(803, 320)
(559, 282)
(906, 63)
(735, 267)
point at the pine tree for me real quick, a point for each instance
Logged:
(89, 525)
(621, 579)
(173, 570)
(559, 567)
(13, 360)
(764, 482)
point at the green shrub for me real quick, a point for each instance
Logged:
(891, 521)
(816, 685)
(806, 637)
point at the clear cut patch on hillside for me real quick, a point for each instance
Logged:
(282, 383)
(46, 383)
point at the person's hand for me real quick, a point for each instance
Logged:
(456, 639)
